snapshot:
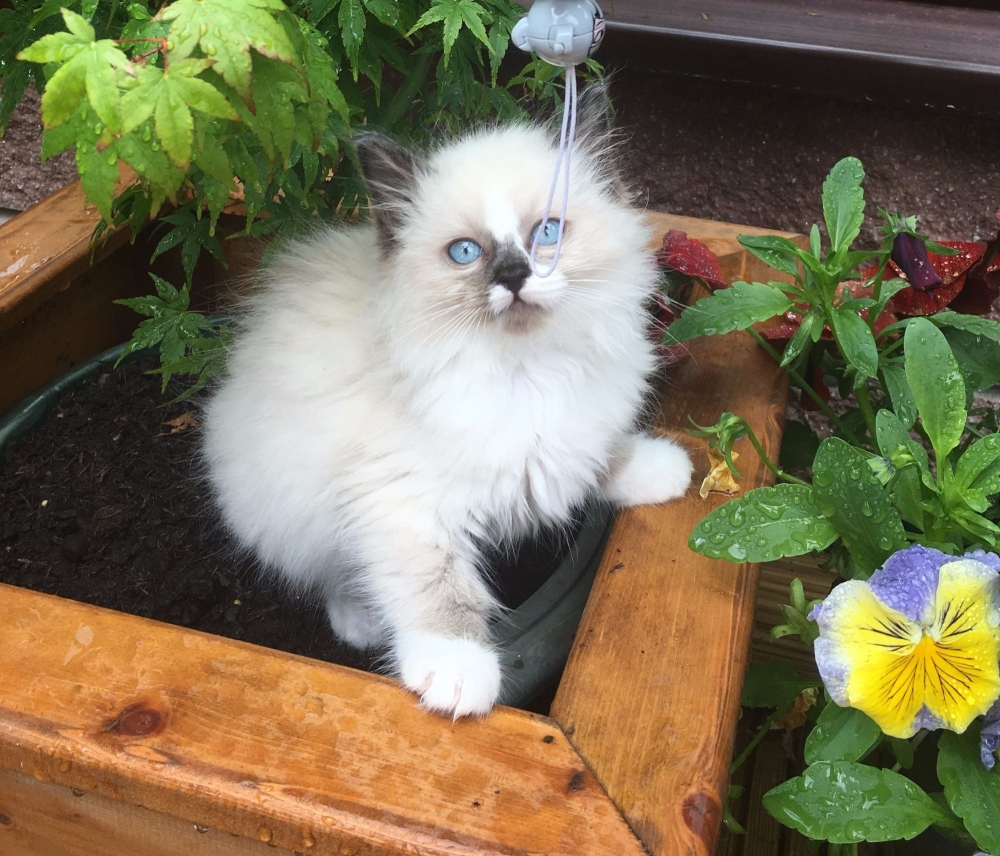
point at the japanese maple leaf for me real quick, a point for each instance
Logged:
(226, 30)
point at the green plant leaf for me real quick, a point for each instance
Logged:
(727, 309)
(903, 404)
(893, 439)
(386, 11)
(979, 467)
(973, 323)
(841, 734)
(226, 31)
(936, 384)
(775, 251)
(972, 791)
(845, 802)
(773, 685)
(849, 495)
(763, 525)
(351, 17)
(902, 750)
(810, 329)
(978, 358)
(856, 340)
(844, 203)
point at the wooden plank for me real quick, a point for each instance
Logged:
(303, 755)
(943, 56)
(650, 695)
(44, 248)
(39, 819)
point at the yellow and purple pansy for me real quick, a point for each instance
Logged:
(917, 645)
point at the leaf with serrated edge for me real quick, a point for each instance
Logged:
(848, 493)
(845, 802)
(936, 383)
(844, 203)
(733, 308)
(226, 30)
(763, 525)
(841, 734)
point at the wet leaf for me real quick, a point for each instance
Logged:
(734, 308)
(857, 506)
(763, 525)
(845, 802)
(841, 734)
(972, 791)
(691, 257)
(844, 203)
(936, 384)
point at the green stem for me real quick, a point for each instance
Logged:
(407, 92)
(807, 389)
(778, 472)
(760, 735)
(914, 745)
(867, 413)
(876, 293)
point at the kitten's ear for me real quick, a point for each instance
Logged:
(390, 174)
(595, 117)
(596, 136)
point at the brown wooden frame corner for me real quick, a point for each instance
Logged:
(120, 735)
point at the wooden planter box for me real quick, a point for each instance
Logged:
(123, 736)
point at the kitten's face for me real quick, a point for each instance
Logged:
(461, 238)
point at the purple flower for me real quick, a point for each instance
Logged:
(917, 645)
(910, 255)
(989, 737)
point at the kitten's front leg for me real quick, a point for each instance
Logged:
(647, 471)
(438, 611)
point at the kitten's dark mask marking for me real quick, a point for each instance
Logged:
(510, 267)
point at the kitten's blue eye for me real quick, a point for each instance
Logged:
(464, 252)
(545, 234)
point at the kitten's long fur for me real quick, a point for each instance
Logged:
(386, 410)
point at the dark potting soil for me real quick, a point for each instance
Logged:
(101, 503)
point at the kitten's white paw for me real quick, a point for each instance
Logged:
(354, 622)
(454, 677)
(657, 471)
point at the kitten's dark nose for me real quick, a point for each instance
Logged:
(511, 272)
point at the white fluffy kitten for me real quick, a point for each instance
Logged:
(388, 410)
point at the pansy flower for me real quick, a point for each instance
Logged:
(917, 645)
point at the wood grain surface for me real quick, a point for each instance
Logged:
(651, 693)
(314, 758)
(299, 754)
(42, 819)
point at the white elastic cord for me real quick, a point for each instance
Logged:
(566, 138)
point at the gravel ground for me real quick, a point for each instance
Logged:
(729, 152)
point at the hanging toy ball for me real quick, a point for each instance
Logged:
(561, 32)
(564, 33)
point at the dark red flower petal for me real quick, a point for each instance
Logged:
(691, 257)
(910, 255)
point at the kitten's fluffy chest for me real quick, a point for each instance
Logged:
(523, 442)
